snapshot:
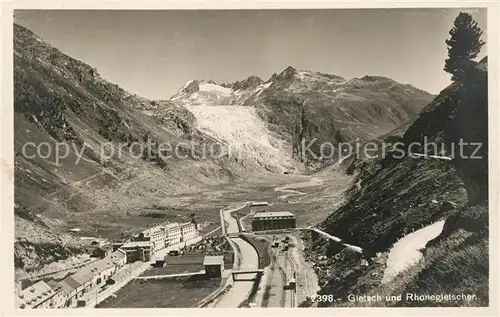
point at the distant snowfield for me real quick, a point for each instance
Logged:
(215, 88)
(245, 131)
(261, 88)
(209, 94)
(405, 252)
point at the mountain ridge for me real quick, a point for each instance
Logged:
(106, 170)
(302, 106)
(60, 99)
(392, 197)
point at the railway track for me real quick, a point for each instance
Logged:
(282, 269)
(291, 293)
(292, 268)
(275, 295)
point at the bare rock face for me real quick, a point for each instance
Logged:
(192, 87)
(248, 83)
(288, 73)
(189, 88)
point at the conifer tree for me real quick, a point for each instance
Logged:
(463, 46)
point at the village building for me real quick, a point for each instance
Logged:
(58, 300)
(175, 233)
(188, 231)
(137, 251)
(258, 206)
(172, 233)
(273, 221)
(214, 265)
(155, 235)
(40, 295)
(119, 258)
(102, 251)
(85, 279)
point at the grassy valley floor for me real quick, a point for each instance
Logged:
(162, 293)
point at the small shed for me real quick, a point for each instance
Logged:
(102, 251)
(214, 265)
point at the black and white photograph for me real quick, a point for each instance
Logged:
(250, 158)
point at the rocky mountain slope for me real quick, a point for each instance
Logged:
(103, 178)
(304, 105)
(393, 197)
(103, 175)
